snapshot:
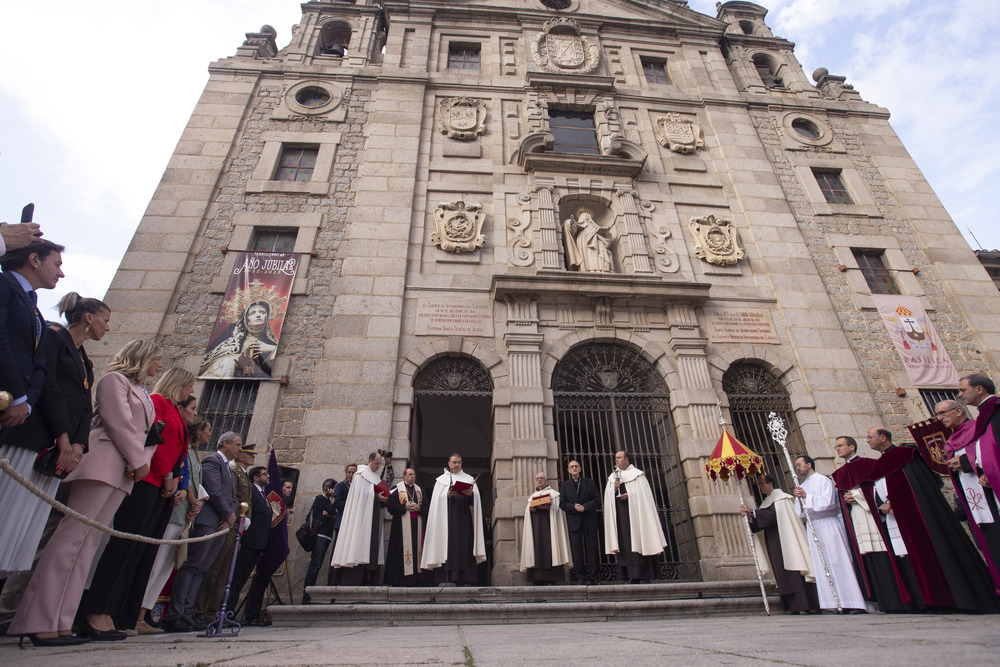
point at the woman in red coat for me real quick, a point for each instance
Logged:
(115, 457)
(115, 596)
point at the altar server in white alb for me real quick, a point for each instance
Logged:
(545, 551)
(818, 493)
(360, 549)
(631, 527)
(454, 543)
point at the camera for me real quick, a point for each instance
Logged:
(385, 454)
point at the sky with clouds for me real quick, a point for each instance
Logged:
(95, 95)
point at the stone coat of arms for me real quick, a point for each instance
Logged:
(679, 134)
(459, 227)
(462, 118)
(561, 48)
(716, 241)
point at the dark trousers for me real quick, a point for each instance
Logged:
(316, 563)
(246, 560)
(255, 596)
(188, 579)
(116, 579)
(585, 541)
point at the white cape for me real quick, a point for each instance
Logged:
(824, 507)
(644, 525)
(355, 536)
(558, 533)
(436, 538)
(791, 535)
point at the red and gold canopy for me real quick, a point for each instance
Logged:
(731, 455)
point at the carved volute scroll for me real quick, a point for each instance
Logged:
(462, 118)
(679, 134)
(459, 227)
(560, 48)
(716, 241)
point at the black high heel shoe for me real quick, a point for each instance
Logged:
(101, 635)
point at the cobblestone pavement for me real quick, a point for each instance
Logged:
(737, 640)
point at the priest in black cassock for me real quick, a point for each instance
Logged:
(544, 540)
(455, 542)
(787, 547)
(408, 506)
(948, 569)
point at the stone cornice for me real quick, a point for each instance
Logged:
(634, 288)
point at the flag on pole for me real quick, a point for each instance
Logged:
(277, 543)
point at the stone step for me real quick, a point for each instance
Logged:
(385, 606)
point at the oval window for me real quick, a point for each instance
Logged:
(312, 97)
(806, 128)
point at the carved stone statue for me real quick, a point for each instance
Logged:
(588, 245)
(459, 227)
(716, 241)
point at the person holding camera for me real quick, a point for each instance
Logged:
(323, 516)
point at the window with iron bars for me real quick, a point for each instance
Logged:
(876, 273)
(228, 405)
(934, 396)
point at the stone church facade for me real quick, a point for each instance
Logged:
(536, 230)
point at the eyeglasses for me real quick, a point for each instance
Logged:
(941, 413)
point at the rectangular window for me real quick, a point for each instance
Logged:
(463, 56)
(297, 163)
(228, 404)
(934, 396)
(876, 273)
(832, 186)
(266, 240)
(574, 131)
(655, 70)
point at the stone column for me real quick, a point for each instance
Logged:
(632, 251)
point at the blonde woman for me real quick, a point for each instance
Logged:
(115, 458)
(115, 596)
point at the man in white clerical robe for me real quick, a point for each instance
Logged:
(359, 550)
(544, 538)
(818, 493)
(454, 543)
(631, 526)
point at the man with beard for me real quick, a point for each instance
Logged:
(947, 569)
(455, 542)
(631, 526)
(787, 547)
(408, 505)
(544, 543)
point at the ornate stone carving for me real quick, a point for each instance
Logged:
(560, 48)
(679, 134)
(662, 255)
(716, 241)
(520, 243)
(462, 118)
(459, 227)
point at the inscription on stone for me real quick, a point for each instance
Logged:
(442, 316)
(740, 326)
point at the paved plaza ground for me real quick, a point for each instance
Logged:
(735, 640)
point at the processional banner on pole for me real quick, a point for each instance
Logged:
(930, 436)
(248, 326)
(919, 347)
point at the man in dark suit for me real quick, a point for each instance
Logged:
(218, 512)
(22, 374)
(254, 539)
(580, 500)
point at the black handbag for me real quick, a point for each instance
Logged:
(306, 534)
(154, 436)
(45, 463)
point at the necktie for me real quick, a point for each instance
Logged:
(35, 316)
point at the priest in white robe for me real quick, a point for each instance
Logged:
(818, 493)
(545, 551)
(454, 543)
(632, 528)
(360, 549)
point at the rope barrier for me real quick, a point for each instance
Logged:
(72, 513)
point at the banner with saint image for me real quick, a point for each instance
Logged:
(919, 347)
(245, 338)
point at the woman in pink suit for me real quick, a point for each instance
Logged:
(116, 457)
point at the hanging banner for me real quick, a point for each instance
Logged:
(930, 436)
(919, 347)
(245, 337)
